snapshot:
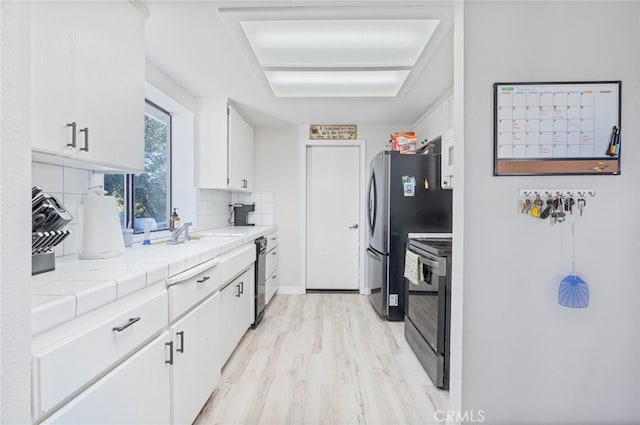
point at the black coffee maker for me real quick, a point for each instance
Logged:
(241, 214)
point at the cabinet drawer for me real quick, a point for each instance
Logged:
(136, 392)
(271, 286)
(63, 368)
(233, 263)
(192, 286)
(272, 241)
(272, 261)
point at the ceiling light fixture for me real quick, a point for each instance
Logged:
(338, 58)
(339, 43)
(336, 83)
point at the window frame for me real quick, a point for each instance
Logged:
(129, 179)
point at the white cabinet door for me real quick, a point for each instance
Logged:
(110, 83)
(196, 368)
(240, 152)
(247, 300)
(88, 71)
(229, 304)
(271, 286)
(53, 74)
(212, 143)
(136, 392)
(225, 141)
(236, 312)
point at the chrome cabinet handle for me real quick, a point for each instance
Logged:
(241, 288)
(238, 291)
(181, 349)
(73, 126)
(274, 252)
(354, 226)
(170, 345)
(203, 280)
(126, 325)
(86, 139)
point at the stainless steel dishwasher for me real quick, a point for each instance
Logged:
(261, 272)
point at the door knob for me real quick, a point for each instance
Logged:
(354, 226)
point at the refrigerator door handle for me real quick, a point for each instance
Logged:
(374, 254)
(373, 202)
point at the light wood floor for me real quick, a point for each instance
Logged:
(323, 359)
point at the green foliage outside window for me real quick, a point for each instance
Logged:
(151, 188)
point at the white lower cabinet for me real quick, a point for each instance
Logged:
(65, 367)
(136, 392)
(235, 312)
(271, 285)
(196, 362)
(109, 368)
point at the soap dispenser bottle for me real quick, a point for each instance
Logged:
(174, 220)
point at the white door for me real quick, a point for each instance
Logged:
(333, 217)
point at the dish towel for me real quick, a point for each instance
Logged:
(412, 268)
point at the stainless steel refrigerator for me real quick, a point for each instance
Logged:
(404, 196)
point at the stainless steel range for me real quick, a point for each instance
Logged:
(427, 325)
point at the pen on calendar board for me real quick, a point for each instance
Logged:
(614, 143)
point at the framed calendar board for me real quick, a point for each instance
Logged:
(557, 128)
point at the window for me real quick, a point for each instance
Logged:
(146, 197)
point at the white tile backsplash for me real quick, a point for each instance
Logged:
(69, 185)
(76, 181)
(49, 177)
(215, 213)
(212, 208)
(72, 203)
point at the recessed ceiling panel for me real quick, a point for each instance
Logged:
(339, 43)
(336, 83)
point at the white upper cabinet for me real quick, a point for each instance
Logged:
(88, 64)
(225, 141)
(240, 152)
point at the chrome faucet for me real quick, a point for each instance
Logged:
(175, 235)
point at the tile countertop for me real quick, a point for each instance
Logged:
(77, 287)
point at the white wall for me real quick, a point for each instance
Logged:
(278, 170)
(15, 253)
(526, 359)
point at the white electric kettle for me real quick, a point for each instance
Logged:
(101, 231)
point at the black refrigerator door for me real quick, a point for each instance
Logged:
(427, 209)
(377, 203)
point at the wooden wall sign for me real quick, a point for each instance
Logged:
(332, 132)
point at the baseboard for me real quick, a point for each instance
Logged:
(290, 290)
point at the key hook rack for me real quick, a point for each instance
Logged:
(581, 193)
(554, 204)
